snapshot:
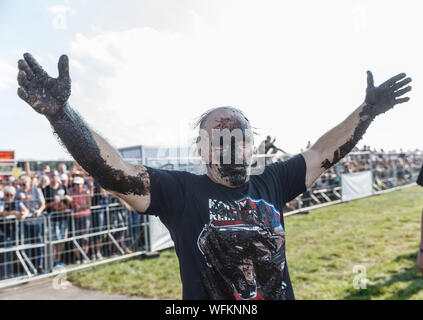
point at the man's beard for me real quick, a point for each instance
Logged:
(237, 175)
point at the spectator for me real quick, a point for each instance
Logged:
(64, 179)
(46, 170)
(81, 203)
(44, 182)
(99, 200)
(57, 202)
(117, 220)
(268, 145)
(9, 208)
(1, 189)
(62, 168)
(33, 199)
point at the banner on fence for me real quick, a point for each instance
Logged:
(356, 185)
(159, 235)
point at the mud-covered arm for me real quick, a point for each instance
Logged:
(338, 142)
(49, 96)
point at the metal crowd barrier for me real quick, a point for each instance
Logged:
(26, 256)
(28, 247)
(317, 197)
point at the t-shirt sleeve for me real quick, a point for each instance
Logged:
(167, 193)
(420, 177)
(291, 177)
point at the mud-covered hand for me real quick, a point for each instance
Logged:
(384, 97)
(43, 93)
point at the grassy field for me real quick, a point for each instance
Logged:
(373, 240)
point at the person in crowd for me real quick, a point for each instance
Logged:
(10, 210)
(44, 182)
(33, 199)
(58, 202)
(64, 180)
(99, 202)
(35, 182)
(81, 204)
(46, 170)
(118, 215)
(1, 188)
(62, 168)
(267, 145)
(54, 173)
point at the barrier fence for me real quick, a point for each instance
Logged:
(67, 240)
(41, 245)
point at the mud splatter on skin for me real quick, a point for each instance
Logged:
(346, 148)
(78, 139)
(378, 100)
(49, 97)
(235, 171)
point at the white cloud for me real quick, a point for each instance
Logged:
(296, 73)
(7, 75)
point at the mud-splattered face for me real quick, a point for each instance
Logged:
(226, 145)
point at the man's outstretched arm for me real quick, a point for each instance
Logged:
(49, 96)
(338, 142)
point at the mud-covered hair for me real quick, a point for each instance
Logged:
(201, 120)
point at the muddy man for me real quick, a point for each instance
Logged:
(227, 225)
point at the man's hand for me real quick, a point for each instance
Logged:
(45, 94)
(37, 213)
(338, 142)
(420, 261)
(384, 97)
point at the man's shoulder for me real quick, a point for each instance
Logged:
(172, 173)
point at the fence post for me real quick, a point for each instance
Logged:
(48, 239)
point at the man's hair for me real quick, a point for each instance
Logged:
(9, 189)
(201, 120)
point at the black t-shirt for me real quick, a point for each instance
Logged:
(230, 241)
(49, 194)
(420, 177)
(8, 226)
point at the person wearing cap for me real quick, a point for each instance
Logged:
(420, 254)
(64, 179)
(81, 203)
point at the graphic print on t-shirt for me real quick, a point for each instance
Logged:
(244, 248)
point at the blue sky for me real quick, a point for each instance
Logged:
(142, 71)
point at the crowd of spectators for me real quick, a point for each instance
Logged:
(390, 169)
(82, 222)
(386, 167)
(53, 205)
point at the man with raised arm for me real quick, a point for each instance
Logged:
(227, 225)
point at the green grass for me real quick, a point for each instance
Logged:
(380, 234)
(153, 278)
